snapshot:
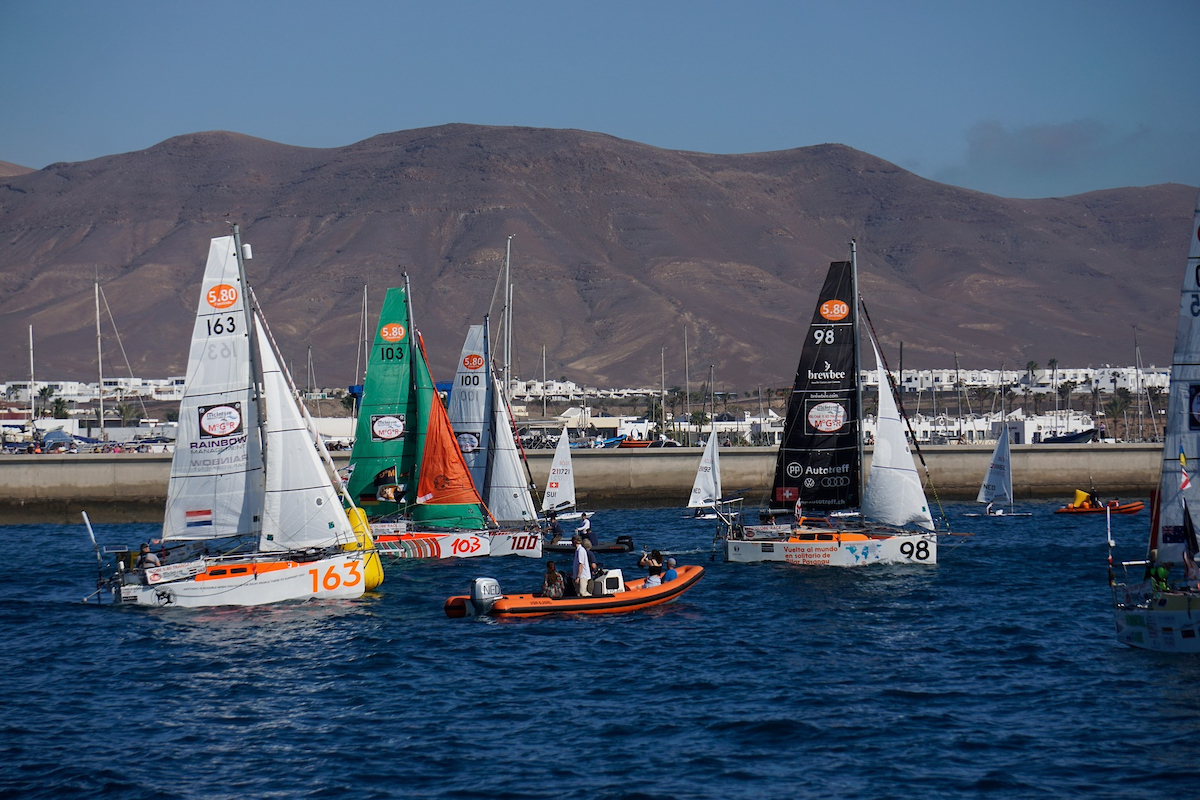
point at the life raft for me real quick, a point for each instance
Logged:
(1086, 504)
(633, 598)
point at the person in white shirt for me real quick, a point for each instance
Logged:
(581, 571)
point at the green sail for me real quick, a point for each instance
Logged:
(392, 421)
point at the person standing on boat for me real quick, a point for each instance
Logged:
(585, 530)
(581, 570)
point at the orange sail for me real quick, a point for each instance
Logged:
(445, 479)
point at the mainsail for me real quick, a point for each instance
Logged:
(1181, 447)
(819, 461)
(467, 406)
(997, 483)
(216, 484)
(894, 495)
(706, 489)
(560, 486)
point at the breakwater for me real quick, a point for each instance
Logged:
(131, 487)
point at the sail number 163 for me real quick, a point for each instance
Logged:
(221, 325)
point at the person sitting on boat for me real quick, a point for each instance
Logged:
(585, 530)
(581, 571)
(552, 586)
(669, 574)
(146, 559)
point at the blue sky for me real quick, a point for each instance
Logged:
(1022, 99)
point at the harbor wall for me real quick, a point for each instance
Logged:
(131, 487)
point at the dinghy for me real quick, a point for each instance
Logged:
(611, 595)
(997, 482)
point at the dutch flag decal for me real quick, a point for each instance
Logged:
(197, 519)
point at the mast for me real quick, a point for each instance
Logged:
(662, 388)
(507, 329)
(99, 363)
(857, 359)
(958, 388)
(249, 304)
(32, 389)
(687, 388)
(543, 381)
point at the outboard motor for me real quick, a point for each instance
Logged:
(627, 542)
(484, 594)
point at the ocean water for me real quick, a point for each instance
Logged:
(993, 673)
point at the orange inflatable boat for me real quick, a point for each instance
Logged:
(619, 597)
(1086, 504)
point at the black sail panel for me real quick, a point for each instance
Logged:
(818, 461)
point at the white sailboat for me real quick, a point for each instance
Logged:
(819, 512)
(706, 489)
(559, 497)
(997, 483)
(1158, 607)
(252, 515)
(482, 423)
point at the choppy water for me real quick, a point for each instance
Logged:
(994, 673)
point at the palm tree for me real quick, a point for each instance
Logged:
(59, 409)
(46, 392)
(1030, 368)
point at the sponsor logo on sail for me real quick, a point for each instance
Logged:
(834, 310)
(827, 417)
(468, 442)
(220, 420)
(1194, 407)
(392, 332)
(386, 427)
(827, 374)
(222, 295)
(794, 470)
(473, 361)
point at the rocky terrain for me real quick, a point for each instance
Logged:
(619, 248)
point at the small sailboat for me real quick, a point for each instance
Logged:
(483, 426)
(252, 514)
(559, 497)
(406, 469)
(997, 483)
(1088, 503)
(706, 489)
(1158, 606)
(818, 512)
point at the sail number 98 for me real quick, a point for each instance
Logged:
(823, 335)
(919, 551)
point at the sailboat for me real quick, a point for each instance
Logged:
(818, 512)
(997, 483)
(252, 514)
(559, 497)
(1159, 609)
(706, 489)
(483, 428)
(406, 468)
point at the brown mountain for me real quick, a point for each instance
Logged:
(619, 247)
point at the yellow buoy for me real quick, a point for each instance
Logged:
(372, 565)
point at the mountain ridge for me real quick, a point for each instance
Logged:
(618, 245)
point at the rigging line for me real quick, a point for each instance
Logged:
(900, 407)
(122, 346)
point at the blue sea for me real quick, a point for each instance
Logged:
(993, 673)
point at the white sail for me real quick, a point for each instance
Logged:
(706, 490)
(1182, 440)
(216, 484)
(301, 508)
(893, 495)
(560, 487)
(997, 483)
(467, 408)
(507, 492)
